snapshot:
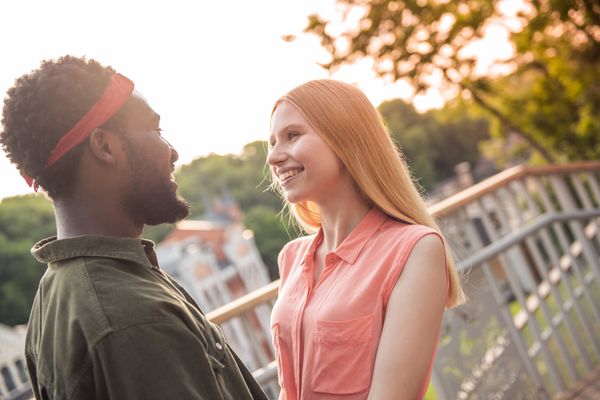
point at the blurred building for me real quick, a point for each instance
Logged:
(14, 383)
(465, 176)
(216, 260)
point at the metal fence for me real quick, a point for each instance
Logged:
(527, 243)
(14, 383)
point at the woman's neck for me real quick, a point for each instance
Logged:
(340, 216)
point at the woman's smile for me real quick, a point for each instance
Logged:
(287, 176)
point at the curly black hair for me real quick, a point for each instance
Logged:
(41, 107)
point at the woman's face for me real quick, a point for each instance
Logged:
(301, 162)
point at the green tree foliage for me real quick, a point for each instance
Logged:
(246, 177)
(270, 234)
(436, 141)
(551, 95)
(23, 221)
(156, 233)
(556, 97)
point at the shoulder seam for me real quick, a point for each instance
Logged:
(88, 283)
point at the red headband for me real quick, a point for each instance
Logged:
(115, 95)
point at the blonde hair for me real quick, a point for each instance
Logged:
(349, 124)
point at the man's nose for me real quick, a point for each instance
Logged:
(174, 153)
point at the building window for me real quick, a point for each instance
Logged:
(21, 370)
(8, 379)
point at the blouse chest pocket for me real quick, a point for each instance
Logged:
(343, 355)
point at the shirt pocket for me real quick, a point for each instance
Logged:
(278, 355)
(343, 355)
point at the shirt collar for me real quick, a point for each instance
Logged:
(353, 245)
(139, 251)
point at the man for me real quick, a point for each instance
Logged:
(106, 322)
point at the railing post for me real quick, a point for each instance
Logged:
(567, 203)
(516, 337)
(516, 287)
(540, 266)
(585, 201)
(594, 186)
(575, 267)
(507, 319)
(560, 232)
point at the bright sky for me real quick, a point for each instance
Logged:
(211, 69)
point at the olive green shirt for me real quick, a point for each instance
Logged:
(107, 323)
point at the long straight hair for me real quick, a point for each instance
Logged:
(346, 120)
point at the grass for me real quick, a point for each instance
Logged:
(430, 394)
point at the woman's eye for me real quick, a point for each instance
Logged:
(293, 135)
(159, 131)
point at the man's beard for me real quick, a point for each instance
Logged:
(150, 198)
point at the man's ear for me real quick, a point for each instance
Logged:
(104, 145)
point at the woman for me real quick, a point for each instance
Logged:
(361, 301)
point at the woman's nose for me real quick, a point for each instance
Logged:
(275, 156)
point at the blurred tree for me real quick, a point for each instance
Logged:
(246, 178)
(156, 233)
(436, 141)
(270, 234)
(558, 102)
(556, 46)
(24, 220)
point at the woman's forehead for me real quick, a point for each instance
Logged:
(284, 115)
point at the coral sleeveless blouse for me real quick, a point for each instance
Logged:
(326, 334)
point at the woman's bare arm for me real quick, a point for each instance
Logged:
(412, 323)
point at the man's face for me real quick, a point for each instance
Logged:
(150, 192)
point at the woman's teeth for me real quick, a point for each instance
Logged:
(289, 174)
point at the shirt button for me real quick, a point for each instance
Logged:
(219, 346)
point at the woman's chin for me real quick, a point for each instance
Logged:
(292, 197)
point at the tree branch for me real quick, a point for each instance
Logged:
(508, 125)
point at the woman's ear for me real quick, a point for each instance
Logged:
(103, 145)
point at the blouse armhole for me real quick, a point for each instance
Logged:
(406, 251)
(280, 264)
(283, 266)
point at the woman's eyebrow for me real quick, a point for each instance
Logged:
(291, 127)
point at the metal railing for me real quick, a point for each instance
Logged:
(527, 242)
(14, 383)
